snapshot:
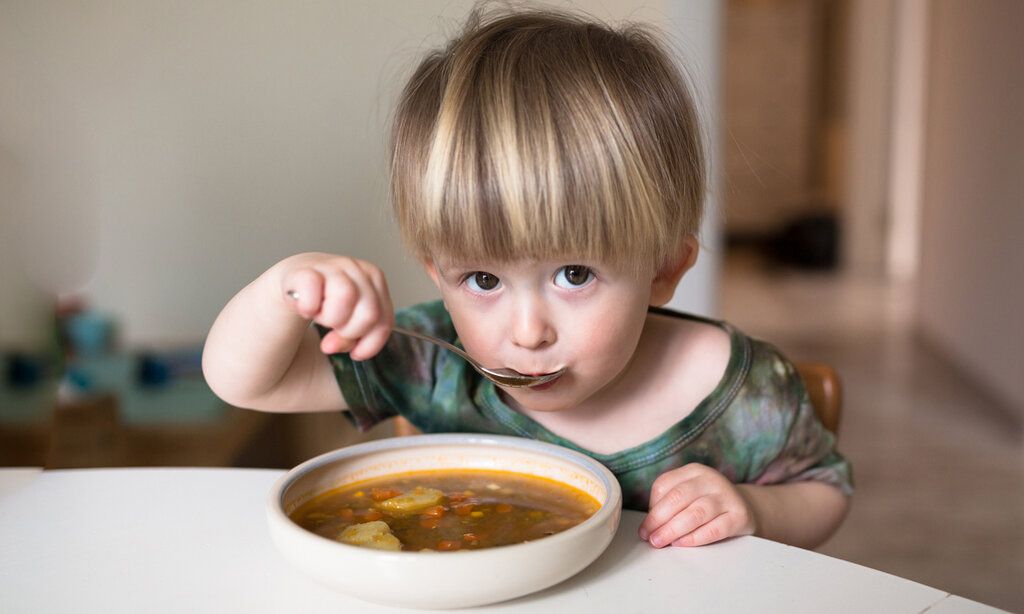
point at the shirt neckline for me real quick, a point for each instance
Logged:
(667, 443)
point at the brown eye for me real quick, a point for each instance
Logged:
(482, 282)
(573, 276)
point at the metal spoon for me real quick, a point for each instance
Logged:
(501, 376)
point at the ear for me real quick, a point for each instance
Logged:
(431, 270)
(663, 286)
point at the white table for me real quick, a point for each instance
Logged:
(174, 540)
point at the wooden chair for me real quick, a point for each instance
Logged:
(821, 381)
(825, 391)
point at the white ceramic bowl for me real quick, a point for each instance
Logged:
(444, 579)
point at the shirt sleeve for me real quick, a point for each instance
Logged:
(398, 380)
(808, 450)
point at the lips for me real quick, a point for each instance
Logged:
(546, 385)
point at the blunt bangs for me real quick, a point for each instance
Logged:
(541, 135)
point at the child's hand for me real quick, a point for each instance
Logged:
(346, 295)
(695, 505)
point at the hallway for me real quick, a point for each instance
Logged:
(938, 466)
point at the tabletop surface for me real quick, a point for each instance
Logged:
(171, 540)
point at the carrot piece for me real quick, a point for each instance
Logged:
(503, 508)
(429, 522)
(435, 511)
(346, 513)
(372, 515)
(470, 537)
(462, 509)
(446, 544)
(381, 494)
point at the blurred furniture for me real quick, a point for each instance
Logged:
(823, 387)
(821, 381)
(95, 431)
(138, 540)
(25, 424)
(86, 433)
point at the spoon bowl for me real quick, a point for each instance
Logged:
(501, 376)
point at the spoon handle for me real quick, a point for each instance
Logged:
(442, 343)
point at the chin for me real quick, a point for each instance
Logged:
(542, 401)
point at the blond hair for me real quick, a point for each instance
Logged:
(541, 134)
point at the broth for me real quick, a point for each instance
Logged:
(450, 509)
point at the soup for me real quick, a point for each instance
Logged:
(443, 510)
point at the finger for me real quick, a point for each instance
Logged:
(371, 343)
(695, 515)
(333, 343)
(380, 284)
(366, 313)
(340, 297)
(681, 496)
(670, 479)
(719, 528)
(303, 291)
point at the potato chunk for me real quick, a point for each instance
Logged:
(376, 534)
(414, 501)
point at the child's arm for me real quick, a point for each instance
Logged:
(261, 352)
(696, 505)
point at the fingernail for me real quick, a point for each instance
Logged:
(643, 533)
(656, 542)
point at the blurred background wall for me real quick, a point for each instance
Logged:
(159, 156)
(971, 295)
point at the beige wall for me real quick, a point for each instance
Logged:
(971, 299)
(165, 153)
(772, 109)
(869, 115)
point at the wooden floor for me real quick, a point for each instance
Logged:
(938, 465)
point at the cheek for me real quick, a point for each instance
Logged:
(610, 340)
(476, 337)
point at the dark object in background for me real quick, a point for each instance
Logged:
(153, 371)
(809, 242)
(23, 371)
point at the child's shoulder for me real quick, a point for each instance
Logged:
(688, 356)
(702, 346)
(714, 354)
(704, 354)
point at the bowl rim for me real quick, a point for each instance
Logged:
(611, 506)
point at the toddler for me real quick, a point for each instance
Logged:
(548, 172)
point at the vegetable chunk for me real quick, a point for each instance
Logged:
(412, 502)
(376, 534)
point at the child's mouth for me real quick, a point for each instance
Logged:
(546, 385)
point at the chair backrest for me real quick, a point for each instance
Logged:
(821, 381)
(825, 391)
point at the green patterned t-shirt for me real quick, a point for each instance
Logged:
(757, 426)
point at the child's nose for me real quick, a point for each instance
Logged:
(532, 328)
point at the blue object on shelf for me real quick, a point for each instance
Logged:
(90, 333)
(79, 379)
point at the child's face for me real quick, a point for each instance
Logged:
(537, 317)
